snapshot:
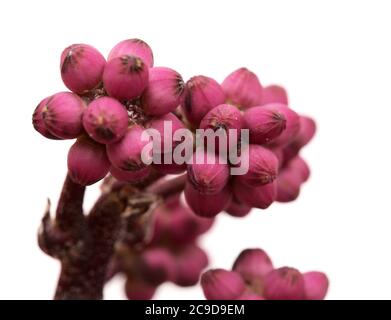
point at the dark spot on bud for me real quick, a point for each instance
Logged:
(132, 165)
(132, 64)
(105, 133)
(179, 85)
(75, 52)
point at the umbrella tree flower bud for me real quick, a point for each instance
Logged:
(137, 289)
(125, 77)
(63, 115)
(291, 130)
(274, 94)
(81, 67)
(288, 185)
(237, 208)
(260, 197)
(126, 154)
(221, 284)
(133, 47)
(316, 285)
(243, 89)
(164, 91)
(38, 121)
(202, 94)
(87, 161)
(252, 264)
(105, 120)
(206, 205)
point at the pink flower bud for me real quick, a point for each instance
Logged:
(291, 130)
(63, 115)
(137, 289)
(265, 123)
(206, 205)
(284, 284)
(38, 121)
(274, 94)
(167, 142)
(126, 153)
(81, 67)
(316, 285)
(223, 117)
(237, 208)
(125, 77)
(133, 47)
(262, 166)
(189, 264)
(164, 91)
(253, 265)
(298, 164)
(157, 265)
(87, 161)
(243, 89)
(130, 176)
(288, 185)
(220, 284)
(208, 174)
(105, 120)
(260, 197)
(202, 94)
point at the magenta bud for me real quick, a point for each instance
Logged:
(237, 208)
(81, 67)
(105, 120)
(260, 197)
(274, 94)
(164, 91)
(167, 141)
(265, 123)
(299, 164)
(288, 185)
(130, 176)
(137, 289)
(202, 94)
(220, 284)
(316, 285)
(262, 166)
(253, 265)
(63, 115)
(125, 77)
(126, 154)
(208, 174)
(242, 88)
(206, 205)
(157, 265)
(223, 117)
(133, 47)
(284, 284)
(38, 121)
(190, 262)
(292, 126)
(87, 161)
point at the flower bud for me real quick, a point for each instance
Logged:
(81, 67)
(262, 166)
(237, 208)
(284, 284)
(156, 265)
(274, 94)
(63, 115)
(206, 205)
(126, 154)
(298, 164)
(130, 176)
(137, 289)
(243, 89)
(133, 47)
(291, 130)
(265, 123)
(202, 94)
(208, 174)
(105, 120)
(38, 121)
(316, 285)
(220, 284)
(164, 91)
(223, 117)
(288, 185)
(87, 161)
(125, 77)
(253, 265)
(189, 264)
(260, 197)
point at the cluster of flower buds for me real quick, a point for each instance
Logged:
(253, 277)
(172, 254)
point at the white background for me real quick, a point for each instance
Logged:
(334, 57)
